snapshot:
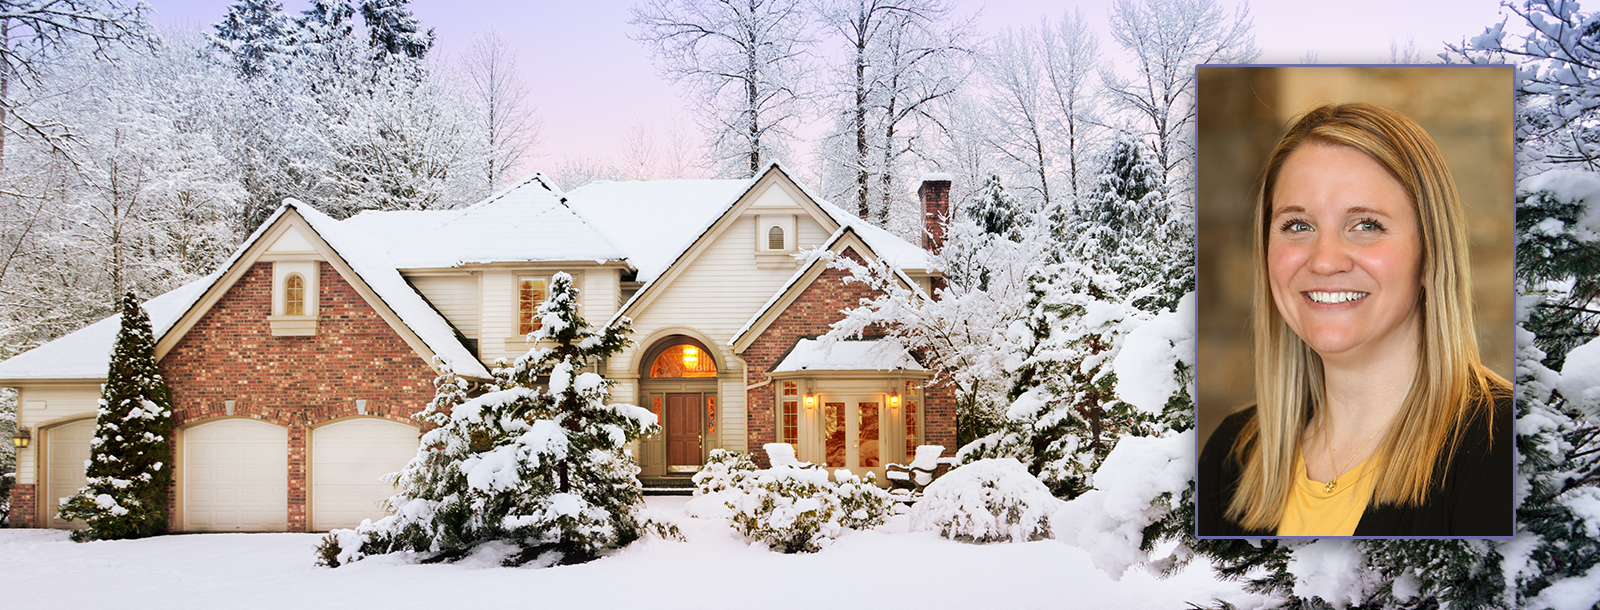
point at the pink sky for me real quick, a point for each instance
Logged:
(591, 82)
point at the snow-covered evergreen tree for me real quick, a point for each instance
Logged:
(130, 458)
(394, 33)
(540, 462)
(1128, 225)
(253, 34)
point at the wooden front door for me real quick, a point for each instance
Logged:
(683, 432)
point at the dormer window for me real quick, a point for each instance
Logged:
(294, 295)
(776, 240)
(294, 298)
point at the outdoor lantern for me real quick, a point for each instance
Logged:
(811, 401)
(894, 401)
(21, 438)
(691, 357)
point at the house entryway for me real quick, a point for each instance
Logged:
(685, 432)
(852, 432)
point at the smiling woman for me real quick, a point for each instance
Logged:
(1373, 414)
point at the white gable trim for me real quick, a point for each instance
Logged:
(774, 177)
(289, 218)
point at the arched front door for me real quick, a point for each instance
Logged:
(679, 385)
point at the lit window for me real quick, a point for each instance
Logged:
(789, 427)
(530, 293)
(775, 238)
(294, 295)
(683, 361)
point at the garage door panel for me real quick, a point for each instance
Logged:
(236, 477)
(348, 460)
(67, 454)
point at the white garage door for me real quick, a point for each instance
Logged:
(68, 450)
(347, 459)
(236, 477)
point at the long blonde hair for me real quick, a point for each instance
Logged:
(1451, 388)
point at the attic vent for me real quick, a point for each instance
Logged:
(775, 238)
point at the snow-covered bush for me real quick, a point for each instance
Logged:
(125, 495)
(544, 470)
(724, 470)
(862, 504)
(789, 509)
(1138, 484)
(992, 500)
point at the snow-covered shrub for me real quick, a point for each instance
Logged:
(789, 509)
(992, 500)
(125, 494)
(724, 470)
(1136, 486)
(542, 469)
(862, 504)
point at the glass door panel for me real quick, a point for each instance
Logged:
(867, 432)
(834, 435)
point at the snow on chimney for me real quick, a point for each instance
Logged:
(934, 192)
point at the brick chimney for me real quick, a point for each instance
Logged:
(935, 195)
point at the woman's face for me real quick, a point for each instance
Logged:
(1344, 254)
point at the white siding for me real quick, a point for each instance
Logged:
(499, 302)
(721, 289)
(455, 296)
(49, 404)
(733, 416)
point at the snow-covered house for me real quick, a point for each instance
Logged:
(296, 368)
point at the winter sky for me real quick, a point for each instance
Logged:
(592, 83)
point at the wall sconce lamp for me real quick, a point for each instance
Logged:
(21, 438)
(811, 402)
(894, 402)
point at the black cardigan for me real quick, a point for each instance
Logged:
(1473, 500)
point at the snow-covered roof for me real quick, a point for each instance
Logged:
(370, 259)
(86, 354)
(872, 355)
(656, 220)
(899, 253)
(525, 222)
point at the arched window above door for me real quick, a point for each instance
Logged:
(683, 361)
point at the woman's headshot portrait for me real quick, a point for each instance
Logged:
(1355, 302)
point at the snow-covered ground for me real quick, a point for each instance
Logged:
(886, 568)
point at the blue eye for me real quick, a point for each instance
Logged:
(1295, 225)
(1369, 224)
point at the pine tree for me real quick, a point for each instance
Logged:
(1128, 225)
(996, 211)
(540, 462)
(393, 32)
(129, 457)
(253, 34)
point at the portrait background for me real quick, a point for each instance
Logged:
(1244, 110)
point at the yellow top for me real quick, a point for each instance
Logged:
(1314, 511)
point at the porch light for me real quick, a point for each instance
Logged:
(691, 357)
(21, 438)
(811, 401)
(894, 401)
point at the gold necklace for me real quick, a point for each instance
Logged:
(1334, 482)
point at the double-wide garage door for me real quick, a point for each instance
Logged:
(236, 473)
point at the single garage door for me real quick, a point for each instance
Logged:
(67, 452)
(236, 477)
(347, 460)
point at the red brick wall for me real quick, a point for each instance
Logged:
(22, 506)
(297, 382)
(819, 305)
